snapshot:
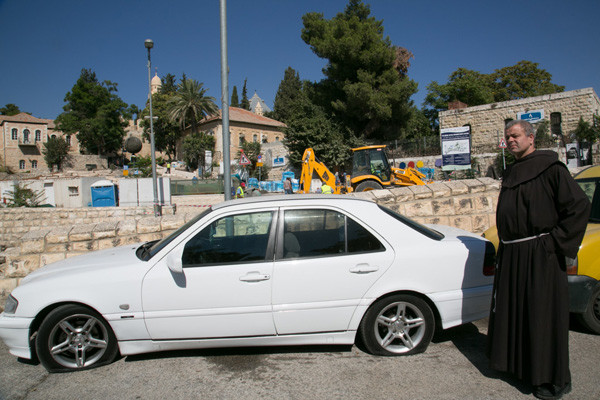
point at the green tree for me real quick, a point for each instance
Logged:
(56, 152)
(166, 132)
(23, 196)
(10, 109)
(95, 113)
(245, 104)
(524, 79)
(190, 104)
(235, 101)
(365, 85)
(286, 98)
(168, 85)
(585, 132)
(194, 147)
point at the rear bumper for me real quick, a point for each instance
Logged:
(14, 332)
(581, 288)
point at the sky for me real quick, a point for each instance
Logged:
(45, 44)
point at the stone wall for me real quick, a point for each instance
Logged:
(466, 204)
(487, 121)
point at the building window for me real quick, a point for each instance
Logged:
(53, 137)
(22, 164)
(73, 191)
(34, 164)
(255, 138)
(242, 139)
(26, 135)
(14, 134)
(507, 120)
(277, 138)
(68, 140)
(38, 135)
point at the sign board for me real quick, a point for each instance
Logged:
(259, 162)
(279, 161)
(532, 116)
(456, 148)
(244, 160)
(208, 161)
(502, 143)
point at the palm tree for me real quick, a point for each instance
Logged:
(190, 104)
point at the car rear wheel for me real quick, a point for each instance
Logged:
(398, 325)
(591, 317)
(367, 185)
(74, 337)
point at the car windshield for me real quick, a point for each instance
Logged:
(430, 233)
(148, 250)
(591, 187)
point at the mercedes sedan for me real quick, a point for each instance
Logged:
(263, 271)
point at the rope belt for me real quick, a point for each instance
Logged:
(524, 239)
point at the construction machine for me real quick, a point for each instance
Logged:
(370, 171)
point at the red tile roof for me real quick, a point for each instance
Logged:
(241, 115)
(23, 117)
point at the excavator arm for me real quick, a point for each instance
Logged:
(310, 166)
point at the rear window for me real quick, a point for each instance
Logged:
(591, 187)
(430, 233)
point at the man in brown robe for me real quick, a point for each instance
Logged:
(541, 218)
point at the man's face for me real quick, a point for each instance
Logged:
(519, 144)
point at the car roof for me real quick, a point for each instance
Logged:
(321, 199)
(591, 172)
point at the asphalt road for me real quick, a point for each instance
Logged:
(453, 367)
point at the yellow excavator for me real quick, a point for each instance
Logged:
(370, 171)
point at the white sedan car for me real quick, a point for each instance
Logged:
(267, 271)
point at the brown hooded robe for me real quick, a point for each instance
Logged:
(528, 332)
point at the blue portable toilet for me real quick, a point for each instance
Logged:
(104, 194)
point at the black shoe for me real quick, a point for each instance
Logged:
(548, 391)
(544, 391)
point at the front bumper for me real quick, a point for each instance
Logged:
(581, 288)
(14, 332)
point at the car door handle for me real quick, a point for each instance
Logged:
(254, 277)
(364, 269)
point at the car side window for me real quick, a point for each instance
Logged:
(231, 239)
(315, 233)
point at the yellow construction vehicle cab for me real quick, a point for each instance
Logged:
(371, 170)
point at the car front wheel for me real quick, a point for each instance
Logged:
(74, 337)
(398, 325)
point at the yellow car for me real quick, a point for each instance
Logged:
(584, 271)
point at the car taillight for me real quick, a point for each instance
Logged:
(572, 265)
(489, 261)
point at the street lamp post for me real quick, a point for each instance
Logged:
(148, 43)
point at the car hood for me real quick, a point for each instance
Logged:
(102, 260)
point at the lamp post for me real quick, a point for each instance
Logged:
(148, 43)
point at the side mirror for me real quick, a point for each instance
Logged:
(174, 261)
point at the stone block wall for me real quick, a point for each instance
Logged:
(16, 222)
(467, 204)
(487, 121)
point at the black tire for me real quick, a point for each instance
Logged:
(365, 186)
(398, 325)
(591, 317)
(73, 337)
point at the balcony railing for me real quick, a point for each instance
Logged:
(27, 142)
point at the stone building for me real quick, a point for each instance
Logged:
(244, 126)
(487, 121)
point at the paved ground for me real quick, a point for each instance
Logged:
(453, 367)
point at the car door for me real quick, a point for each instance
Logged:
(326, 261)
(225, 287)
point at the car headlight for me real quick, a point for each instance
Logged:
(11, 305)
